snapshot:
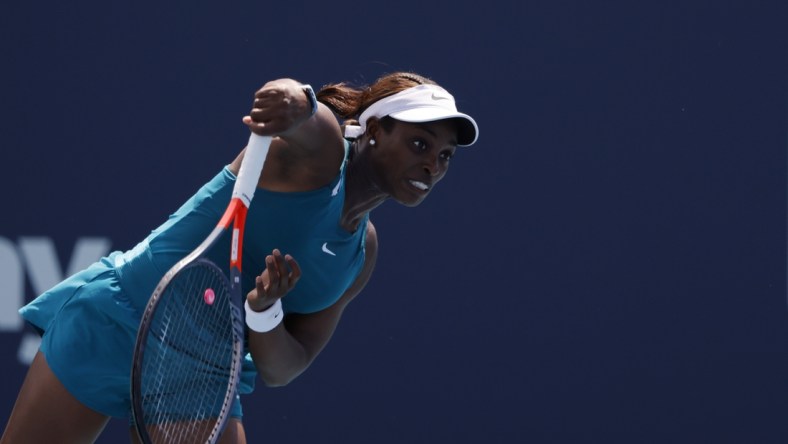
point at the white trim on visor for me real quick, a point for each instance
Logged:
(423, 103)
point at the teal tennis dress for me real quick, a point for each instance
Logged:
(89, 321)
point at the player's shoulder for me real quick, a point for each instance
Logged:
(307, 158)
(372, 234)
(370, 259)
(371, 243)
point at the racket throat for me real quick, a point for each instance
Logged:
(235, 216)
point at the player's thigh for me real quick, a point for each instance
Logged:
(46, 412)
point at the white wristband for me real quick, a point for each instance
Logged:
(266, 320)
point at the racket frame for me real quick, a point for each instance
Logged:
(235, 217)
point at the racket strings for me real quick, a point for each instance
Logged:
(190, 357)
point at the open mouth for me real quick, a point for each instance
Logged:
(419, 185)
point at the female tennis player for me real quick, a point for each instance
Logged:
(308, 237)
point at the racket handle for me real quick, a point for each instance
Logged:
(251, 167)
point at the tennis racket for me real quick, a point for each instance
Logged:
(189, 349)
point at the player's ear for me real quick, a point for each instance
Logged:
(373, 127)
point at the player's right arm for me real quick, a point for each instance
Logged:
(307, 150)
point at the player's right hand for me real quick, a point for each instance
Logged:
(279, 106)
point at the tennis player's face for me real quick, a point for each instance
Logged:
(413, 158)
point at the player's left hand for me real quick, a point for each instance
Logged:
(281, 275)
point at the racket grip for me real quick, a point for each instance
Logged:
(251, 167)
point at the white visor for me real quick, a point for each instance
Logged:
(423, 103)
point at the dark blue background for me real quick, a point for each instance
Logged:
(607, 264)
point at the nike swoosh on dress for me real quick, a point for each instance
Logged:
(326, 250)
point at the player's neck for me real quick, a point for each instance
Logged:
(362, 194)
